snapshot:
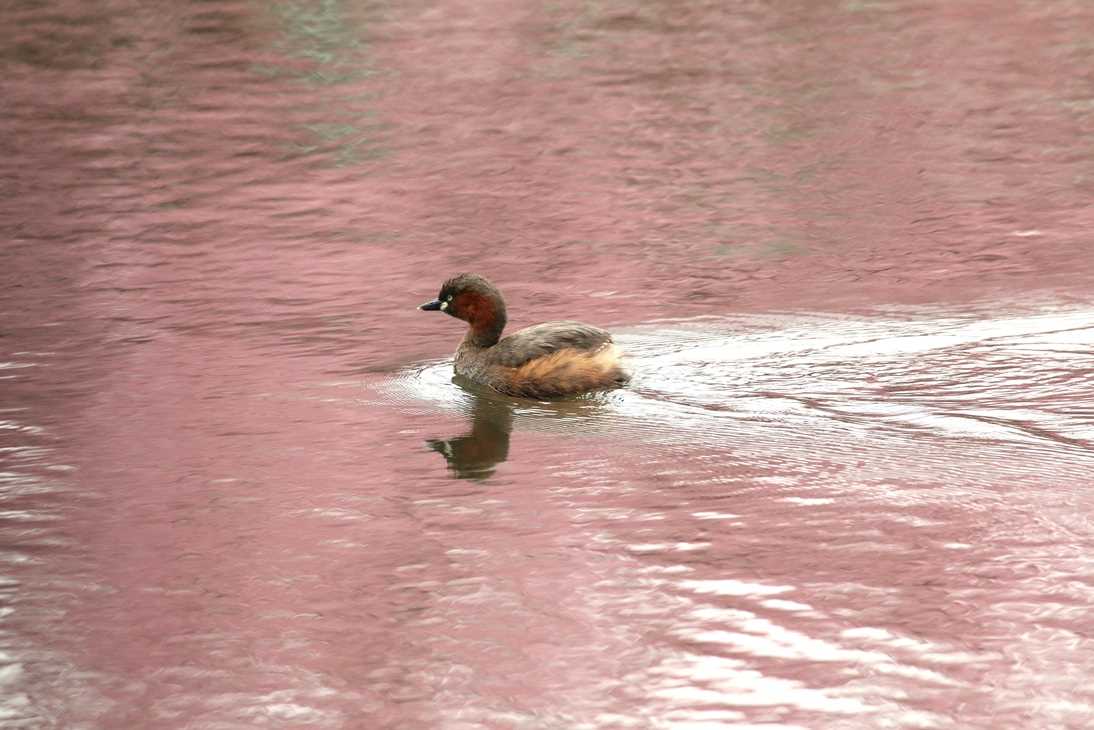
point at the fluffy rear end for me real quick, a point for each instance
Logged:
(567, 372)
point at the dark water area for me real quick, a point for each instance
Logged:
(846, 246)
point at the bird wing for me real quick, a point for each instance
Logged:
(543, 339)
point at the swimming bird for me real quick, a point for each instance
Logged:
(542, 361)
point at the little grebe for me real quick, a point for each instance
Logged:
(542, 361)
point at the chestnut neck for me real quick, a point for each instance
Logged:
(487, 320)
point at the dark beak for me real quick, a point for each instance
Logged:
(432, 306)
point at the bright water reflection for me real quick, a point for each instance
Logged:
(997, 385)
(817, 527)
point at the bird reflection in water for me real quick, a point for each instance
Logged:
(476, 454)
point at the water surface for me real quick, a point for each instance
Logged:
(844, 244)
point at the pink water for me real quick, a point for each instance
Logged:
(846, 245)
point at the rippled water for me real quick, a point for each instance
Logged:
(844, 244)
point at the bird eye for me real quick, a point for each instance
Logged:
(449, 298)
